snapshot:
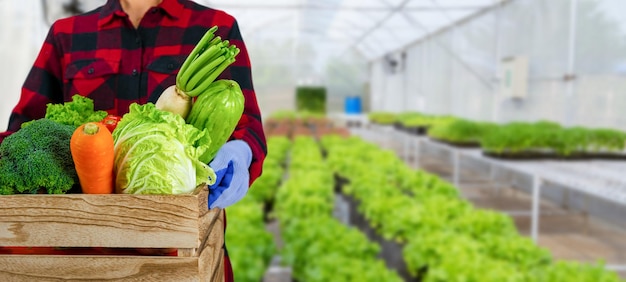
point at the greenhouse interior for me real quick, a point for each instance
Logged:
(393, 140)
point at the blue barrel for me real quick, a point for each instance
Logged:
(353, 105)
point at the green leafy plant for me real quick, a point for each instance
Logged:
(385, 118)
(606, 139)
(250, 246)
(156, 152)
(265, 187)
(318, 247)
(550, 139)
(415, 119)
(445, 238)
(311, 99)
(516, 137)
(76, 112)
(574, 271)
(461, 131)
(283, 115)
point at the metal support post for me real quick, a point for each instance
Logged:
(492, 178)
(534, 224)
(417, 152)
(387, 135)
(406, 140)
(565, 201)
(456, 169)
(586, 215)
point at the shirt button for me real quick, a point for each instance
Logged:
(90, 71)
(170, 66)
(153, 10)
(135, 72)
(137, 40)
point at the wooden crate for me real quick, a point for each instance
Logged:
(115, 221)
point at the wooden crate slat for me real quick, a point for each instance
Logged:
(128, 221)
(211, 253)
(122, 268)
(207, 222)
(148, 221)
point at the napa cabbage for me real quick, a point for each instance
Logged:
(156, 152)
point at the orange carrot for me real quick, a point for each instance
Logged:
(92, 151)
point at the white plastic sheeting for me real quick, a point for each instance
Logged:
(370, 27)
(576, 70)
(330, 42)
(21, 34)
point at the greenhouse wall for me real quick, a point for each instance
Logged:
(23, 28)
(576, 65)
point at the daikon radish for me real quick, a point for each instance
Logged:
(175, 101)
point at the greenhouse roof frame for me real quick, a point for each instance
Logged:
(372, 28)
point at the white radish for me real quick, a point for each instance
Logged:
(175, 101)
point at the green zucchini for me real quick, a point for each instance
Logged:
(218, 109)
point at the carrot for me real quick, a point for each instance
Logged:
(92, 151)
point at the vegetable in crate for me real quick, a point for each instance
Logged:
(156, 152)
(218, 110)
(111, 121)
(77, 112)
(207, 61)
(37, 159)
(92, 151)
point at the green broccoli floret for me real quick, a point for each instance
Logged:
(37, 158)
(8, 179)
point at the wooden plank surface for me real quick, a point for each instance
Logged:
(211, 251)
(78, 220)
(85, 268)
(129, 221)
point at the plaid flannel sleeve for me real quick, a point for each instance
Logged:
(250, 126)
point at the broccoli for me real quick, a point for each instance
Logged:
(37, 159)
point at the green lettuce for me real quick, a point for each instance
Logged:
(156, 152)
(77, 112)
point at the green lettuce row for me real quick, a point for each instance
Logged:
(518, 137)
(382, 117)
(250, 246)
(318, 247)
(264, 188)
(443, 233)
(462, 131)
(308, 190)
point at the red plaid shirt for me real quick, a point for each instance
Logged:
(102, 56)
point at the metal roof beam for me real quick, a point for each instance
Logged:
(379, 23)
(485, 81)
(346, 8)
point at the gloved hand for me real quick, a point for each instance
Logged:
(231, 165)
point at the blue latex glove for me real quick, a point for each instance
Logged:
(231, 165)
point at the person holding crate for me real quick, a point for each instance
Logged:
(129, 51)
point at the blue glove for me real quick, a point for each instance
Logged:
(231, 165)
